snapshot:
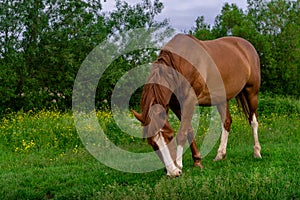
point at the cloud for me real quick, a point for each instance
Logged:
(183, 13)
(184, 19)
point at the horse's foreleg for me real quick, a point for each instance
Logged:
(161, 147)
(226, 122)
(223, 145)
(195, 152)
(182, 136)
(186, 132)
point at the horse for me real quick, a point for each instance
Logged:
(189, 72)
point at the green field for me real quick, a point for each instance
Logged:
(41, 157)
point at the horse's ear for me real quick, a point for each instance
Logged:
(138, 116)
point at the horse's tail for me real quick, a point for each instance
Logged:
(243, 104)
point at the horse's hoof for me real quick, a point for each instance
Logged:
(198, 165)
(257, 155)
(220, 157)
(257, 152)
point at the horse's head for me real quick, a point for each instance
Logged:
(155, 122)
(159, 133)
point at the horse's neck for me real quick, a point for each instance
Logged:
(154, 94)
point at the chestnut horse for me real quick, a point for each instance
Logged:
(191, 72)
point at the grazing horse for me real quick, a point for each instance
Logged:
(191, 72)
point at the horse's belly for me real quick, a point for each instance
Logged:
(220, 91)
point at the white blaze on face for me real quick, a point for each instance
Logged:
(172, 170)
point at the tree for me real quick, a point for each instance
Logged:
(278, 43)
(202, 30)
(43, 43)
(129, 17)
(140, 15)
(230, 19)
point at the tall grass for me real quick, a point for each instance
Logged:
(30, 132)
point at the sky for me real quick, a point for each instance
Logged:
(183, 13)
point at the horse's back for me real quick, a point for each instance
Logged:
(226, 49)
(235, 58)
(237, 61)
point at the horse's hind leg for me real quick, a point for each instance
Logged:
(226, 122)
(252, 100)
(254, 126)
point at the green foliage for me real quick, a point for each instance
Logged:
(270, 104)
(49, 39)
(43, 44)
(127, 17)
(202, 30)
(278, 23)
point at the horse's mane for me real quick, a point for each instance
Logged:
(160, 84)
(153, 94)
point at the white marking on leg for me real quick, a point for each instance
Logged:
(172, 170)
(179, 153)
(254, 126)
(223, 145)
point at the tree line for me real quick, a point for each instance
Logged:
(44, 42)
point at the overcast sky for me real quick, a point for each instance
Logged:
(183, 13)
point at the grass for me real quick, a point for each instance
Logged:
(42, 158)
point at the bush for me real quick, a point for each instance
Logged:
(278, 104)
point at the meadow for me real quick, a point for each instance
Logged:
(42, 157)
